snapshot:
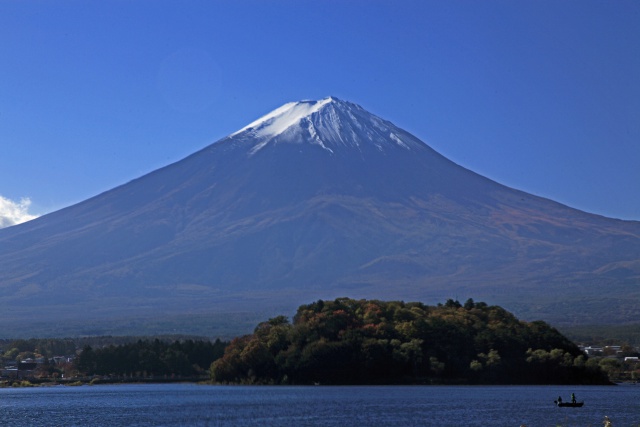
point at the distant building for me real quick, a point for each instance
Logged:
(593, 351)
(613, 349)
(26, 369)
(19, 370)
(8, 372)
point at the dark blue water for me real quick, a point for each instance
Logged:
(198, 405)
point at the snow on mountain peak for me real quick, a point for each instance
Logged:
(280, 119)
(327, 123)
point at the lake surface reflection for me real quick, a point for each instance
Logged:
(202, 405)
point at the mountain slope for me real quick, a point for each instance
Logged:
(317, 199)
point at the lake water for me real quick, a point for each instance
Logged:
(203, 405)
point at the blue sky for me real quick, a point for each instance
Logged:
(543, 96)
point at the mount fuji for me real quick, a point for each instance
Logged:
(317, 199)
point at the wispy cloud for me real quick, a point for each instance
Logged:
(12, 213)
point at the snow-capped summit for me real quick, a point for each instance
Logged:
(280, 119)
(328, 123)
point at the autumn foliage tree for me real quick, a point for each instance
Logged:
(348, 341)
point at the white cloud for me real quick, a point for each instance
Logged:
(12, 213)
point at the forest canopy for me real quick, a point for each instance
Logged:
(150, 358)
(349, 341)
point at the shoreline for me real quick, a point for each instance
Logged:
(71, 382)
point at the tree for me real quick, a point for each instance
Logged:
(86, 361)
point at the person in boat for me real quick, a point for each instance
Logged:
(573, 398)
(559, 399)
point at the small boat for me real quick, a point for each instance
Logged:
(569, 404)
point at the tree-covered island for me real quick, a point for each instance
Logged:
(350, 341)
